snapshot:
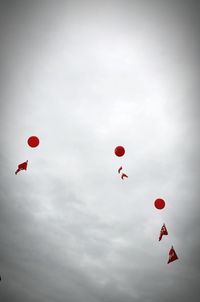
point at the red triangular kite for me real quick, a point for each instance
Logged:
(172, 255)
(163, 231)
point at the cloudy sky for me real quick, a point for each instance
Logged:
(86, 76)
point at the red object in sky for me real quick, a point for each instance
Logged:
(119, 151)
(33, 141)
(124, 175)
(159, 203)
(163, 231)
(119, 170)
(22, 166)
(172, 255)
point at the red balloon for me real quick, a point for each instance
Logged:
(159, 203)
(33, 141)
(119, 151)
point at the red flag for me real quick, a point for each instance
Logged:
(172, 255)
(119, 170)
(124, 175)
(22, 166)
(163, 231)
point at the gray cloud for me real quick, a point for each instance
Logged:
(85, 77)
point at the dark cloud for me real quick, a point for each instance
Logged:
(85, 77)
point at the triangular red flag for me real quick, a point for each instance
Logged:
(172, 255)
(22, 166)
(163, 231)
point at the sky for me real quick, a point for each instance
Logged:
(85, 77)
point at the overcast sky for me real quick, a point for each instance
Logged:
(86, 76)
